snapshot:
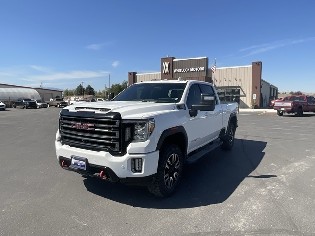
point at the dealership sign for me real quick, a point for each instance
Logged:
(166, 67)
(194, 69)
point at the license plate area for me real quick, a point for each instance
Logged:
(78, 163)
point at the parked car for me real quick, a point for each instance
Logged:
(2, 106)
(77, 101)
(272, 102)
(41, 104)
(57, 102)
(25, 103)
(297, 104)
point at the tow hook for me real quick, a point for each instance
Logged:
(102, 175)
(63, 164)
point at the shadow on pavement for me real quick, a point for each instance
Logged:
(211, 180)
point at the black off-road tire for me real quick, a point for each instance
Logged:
(228, 139)
(169, 172)
(299, 112)
(280, 113)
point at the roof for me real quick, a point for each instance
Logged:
(19, 86)
(186, 59)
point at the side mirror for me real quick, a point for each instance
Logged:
(207, 103)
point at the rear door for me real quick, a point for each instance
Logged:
(215, 122)
(202, 128)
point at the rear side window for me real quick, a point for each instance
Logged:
(208, 89)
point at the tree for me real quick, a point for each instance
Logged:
(296, 93)
(79, 90)
(89, 90)
(68, 92)
(117, 88)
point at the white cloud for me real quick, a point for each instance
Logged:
(257, 49)
(40, 68)
(68, 75)
(95, 46)
(115, 64)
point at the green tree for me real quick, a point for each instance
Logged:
(79, 90)
(89, 90)
(117, 88)
(68, 92)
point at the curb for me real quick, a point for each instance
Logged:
(258, 110)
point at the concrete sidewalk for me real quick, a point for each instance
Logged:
(257, 110)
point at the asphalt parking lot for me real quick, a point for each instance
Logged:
(264, 186)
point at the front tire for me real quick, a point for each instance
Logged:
(280, 113)
(169, 172)
(228, 139)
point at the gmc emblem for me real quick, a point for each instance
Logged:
(85, 126)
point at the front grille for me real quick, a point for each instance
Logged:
(90, 131)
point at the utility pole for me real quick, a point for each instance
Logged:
(82, 89)
(109, 81)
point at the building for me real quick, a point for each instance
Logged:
(243, 84)
(10, 93)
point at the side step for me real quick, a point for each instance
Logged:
(201, 152)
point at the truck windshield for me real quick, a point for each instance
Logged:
(153, 92)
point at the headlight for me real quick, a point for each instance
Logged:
(141, 130)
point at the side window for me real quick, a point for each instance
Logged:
(207, 89)
(310, 99)
(194, 96)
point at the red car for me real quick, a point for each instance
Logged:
(297, 104)
(272, 102)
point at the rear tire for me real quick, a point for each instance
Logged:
(228, 139)
(299, 112)
(169, 172)
(280, 113)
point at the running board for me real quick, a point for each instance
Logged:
(200, 153)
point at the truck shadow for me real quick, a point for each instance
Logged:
(211, 180)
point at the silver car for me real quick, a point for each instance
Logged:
(2, 106)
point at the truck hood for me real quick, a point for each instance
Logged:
(127, 109)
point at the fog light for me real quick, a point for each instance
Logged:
(136, 165)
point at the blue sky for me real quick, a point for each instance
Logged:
(63, 43)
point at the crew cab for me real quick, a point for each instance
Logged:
(25, 103)
(57, 102)
(146, 134)
(295, 104)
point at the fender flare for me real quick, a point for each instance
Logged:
(171, 131)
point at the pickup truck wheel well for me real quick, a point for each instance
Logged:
(176, 135)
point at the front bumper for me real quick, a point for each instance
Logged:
(116, 167)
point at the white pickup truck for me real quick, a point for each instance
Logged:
(146, 134)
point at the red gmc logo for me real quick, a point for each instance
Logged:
(85, 126)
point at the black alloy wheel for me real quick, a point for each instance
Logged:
(228, 140)
(169, 172)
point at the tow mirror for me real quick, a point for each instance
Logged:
(207, 103)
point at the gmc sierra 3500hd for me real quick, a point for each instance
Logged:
(145, 134)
